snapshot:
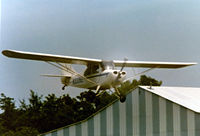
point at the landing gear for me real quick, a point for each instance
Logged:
(121, 96)
(97, 90)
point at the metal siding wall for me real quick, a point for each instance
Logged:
(60, 132)
(122, 118)
(176, 119)
(149, 127)
(135, 97)
(143, 114)
(85, 129)
(109, 114)
(162, 115)
(66, 131)
(155, 112)
(170, 118)
(88, 127)
(97, 125)
(54, 133)
(129, 118)
(197, 124)
(103, 126)
(78, 130)
(191, 123)
(72, 130)
(116, 118)
(183, 121)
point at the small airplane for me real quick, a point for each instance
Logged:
(99, 75)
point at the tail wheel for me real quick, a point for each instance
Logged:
(122, 98)
(63, 88)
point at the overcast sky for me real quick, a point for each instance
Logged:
(153, 30)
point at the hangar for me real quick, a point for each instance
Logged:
(148, 111)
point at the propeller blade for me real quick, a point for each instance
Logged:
(124, 64)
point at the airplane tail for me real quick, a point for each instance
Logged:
(67, 72)
(65, 75)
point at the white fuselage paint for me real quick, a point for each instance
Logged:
(105, 79)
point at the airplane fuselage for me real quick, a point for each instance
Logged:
(106, 79)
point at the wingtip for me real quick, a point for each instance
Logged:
(6, 53)
(194, 63)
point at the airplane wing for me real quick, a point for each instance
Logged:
(153, 64)
(85, 61)
(49, 57)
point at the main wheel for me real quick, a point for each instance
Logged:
(122, 98)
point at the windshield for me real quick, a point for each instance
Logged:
(107, 65)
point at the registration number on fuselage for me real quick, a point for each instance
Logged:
(81, 80)
(77, 80)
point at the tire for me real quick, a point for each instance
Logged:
(122, 98)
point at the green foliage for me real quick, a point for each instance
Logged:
(51, 112)
(9, 112)
(144, 80)
(22, 131)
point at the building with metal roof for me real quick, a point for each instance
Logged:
(148, 111)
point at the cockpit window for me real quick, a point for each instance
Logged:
(91, 69)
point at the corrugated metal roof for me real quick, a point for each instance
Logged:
(188, 97)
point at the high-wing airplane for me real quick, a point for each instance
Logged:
(99, 74)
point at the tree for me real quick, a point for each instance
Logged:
(9, 112)
(22, 131)
(144, 80)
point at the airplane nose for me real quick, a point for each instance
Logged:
(121, 75)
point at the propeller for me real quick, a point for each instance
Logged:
(124, 64)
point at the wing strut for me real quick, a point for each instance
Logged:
(62, 67)
(150, 69)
